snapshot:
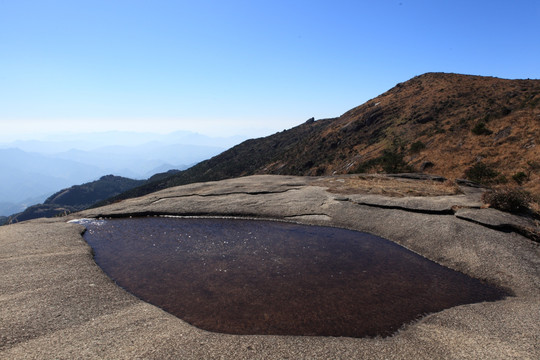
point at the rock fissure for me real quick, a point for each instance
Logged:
(307, 215)
(183, 214)
(397, 207)
(224, 194)
(507, 228)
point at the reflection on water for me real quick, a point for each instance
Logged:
(263, 277)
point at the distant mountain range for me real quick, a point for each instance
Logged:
(458, 126)
(27, 177)
(30, 171)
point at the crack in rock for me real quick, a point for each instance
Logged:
(530, 234)
(448, 211)
(223, 194)
(309, 217)
(507, 228)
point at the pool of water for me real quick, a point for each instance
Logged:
(265, 277)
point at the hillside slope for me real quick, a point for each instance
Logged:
(435, 123)
(77, 197)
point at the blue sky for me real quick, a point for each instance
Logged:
(239, 67)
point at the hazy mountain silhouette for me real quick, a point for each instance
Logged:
(32, 170)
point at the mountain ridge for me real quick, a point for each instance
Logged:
(437, 123)
(75, 198)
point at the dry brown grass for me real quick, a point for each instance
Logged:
(382, 185)
(440, 111)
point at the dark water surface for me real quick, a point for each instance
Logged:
(263, 277)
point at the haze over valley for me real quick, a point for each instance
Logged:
(32, 170)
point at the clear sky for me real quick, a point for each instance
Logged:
(239, 67)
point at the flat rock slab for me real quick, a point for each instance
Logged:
(55, 302)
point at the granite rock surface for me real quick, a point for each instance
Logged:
(56, 303)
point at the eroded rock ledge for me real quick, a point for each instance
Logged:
(56, 303)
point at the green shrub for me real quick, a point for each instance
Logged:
(519, 177)
(508, 199)
(366, 166)
(417, 146)
(505, 111)
(309, 164)
(481, 129)
(392, 162)
(534, 165)
(501, 179)
(481, 173)
(320, 171)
